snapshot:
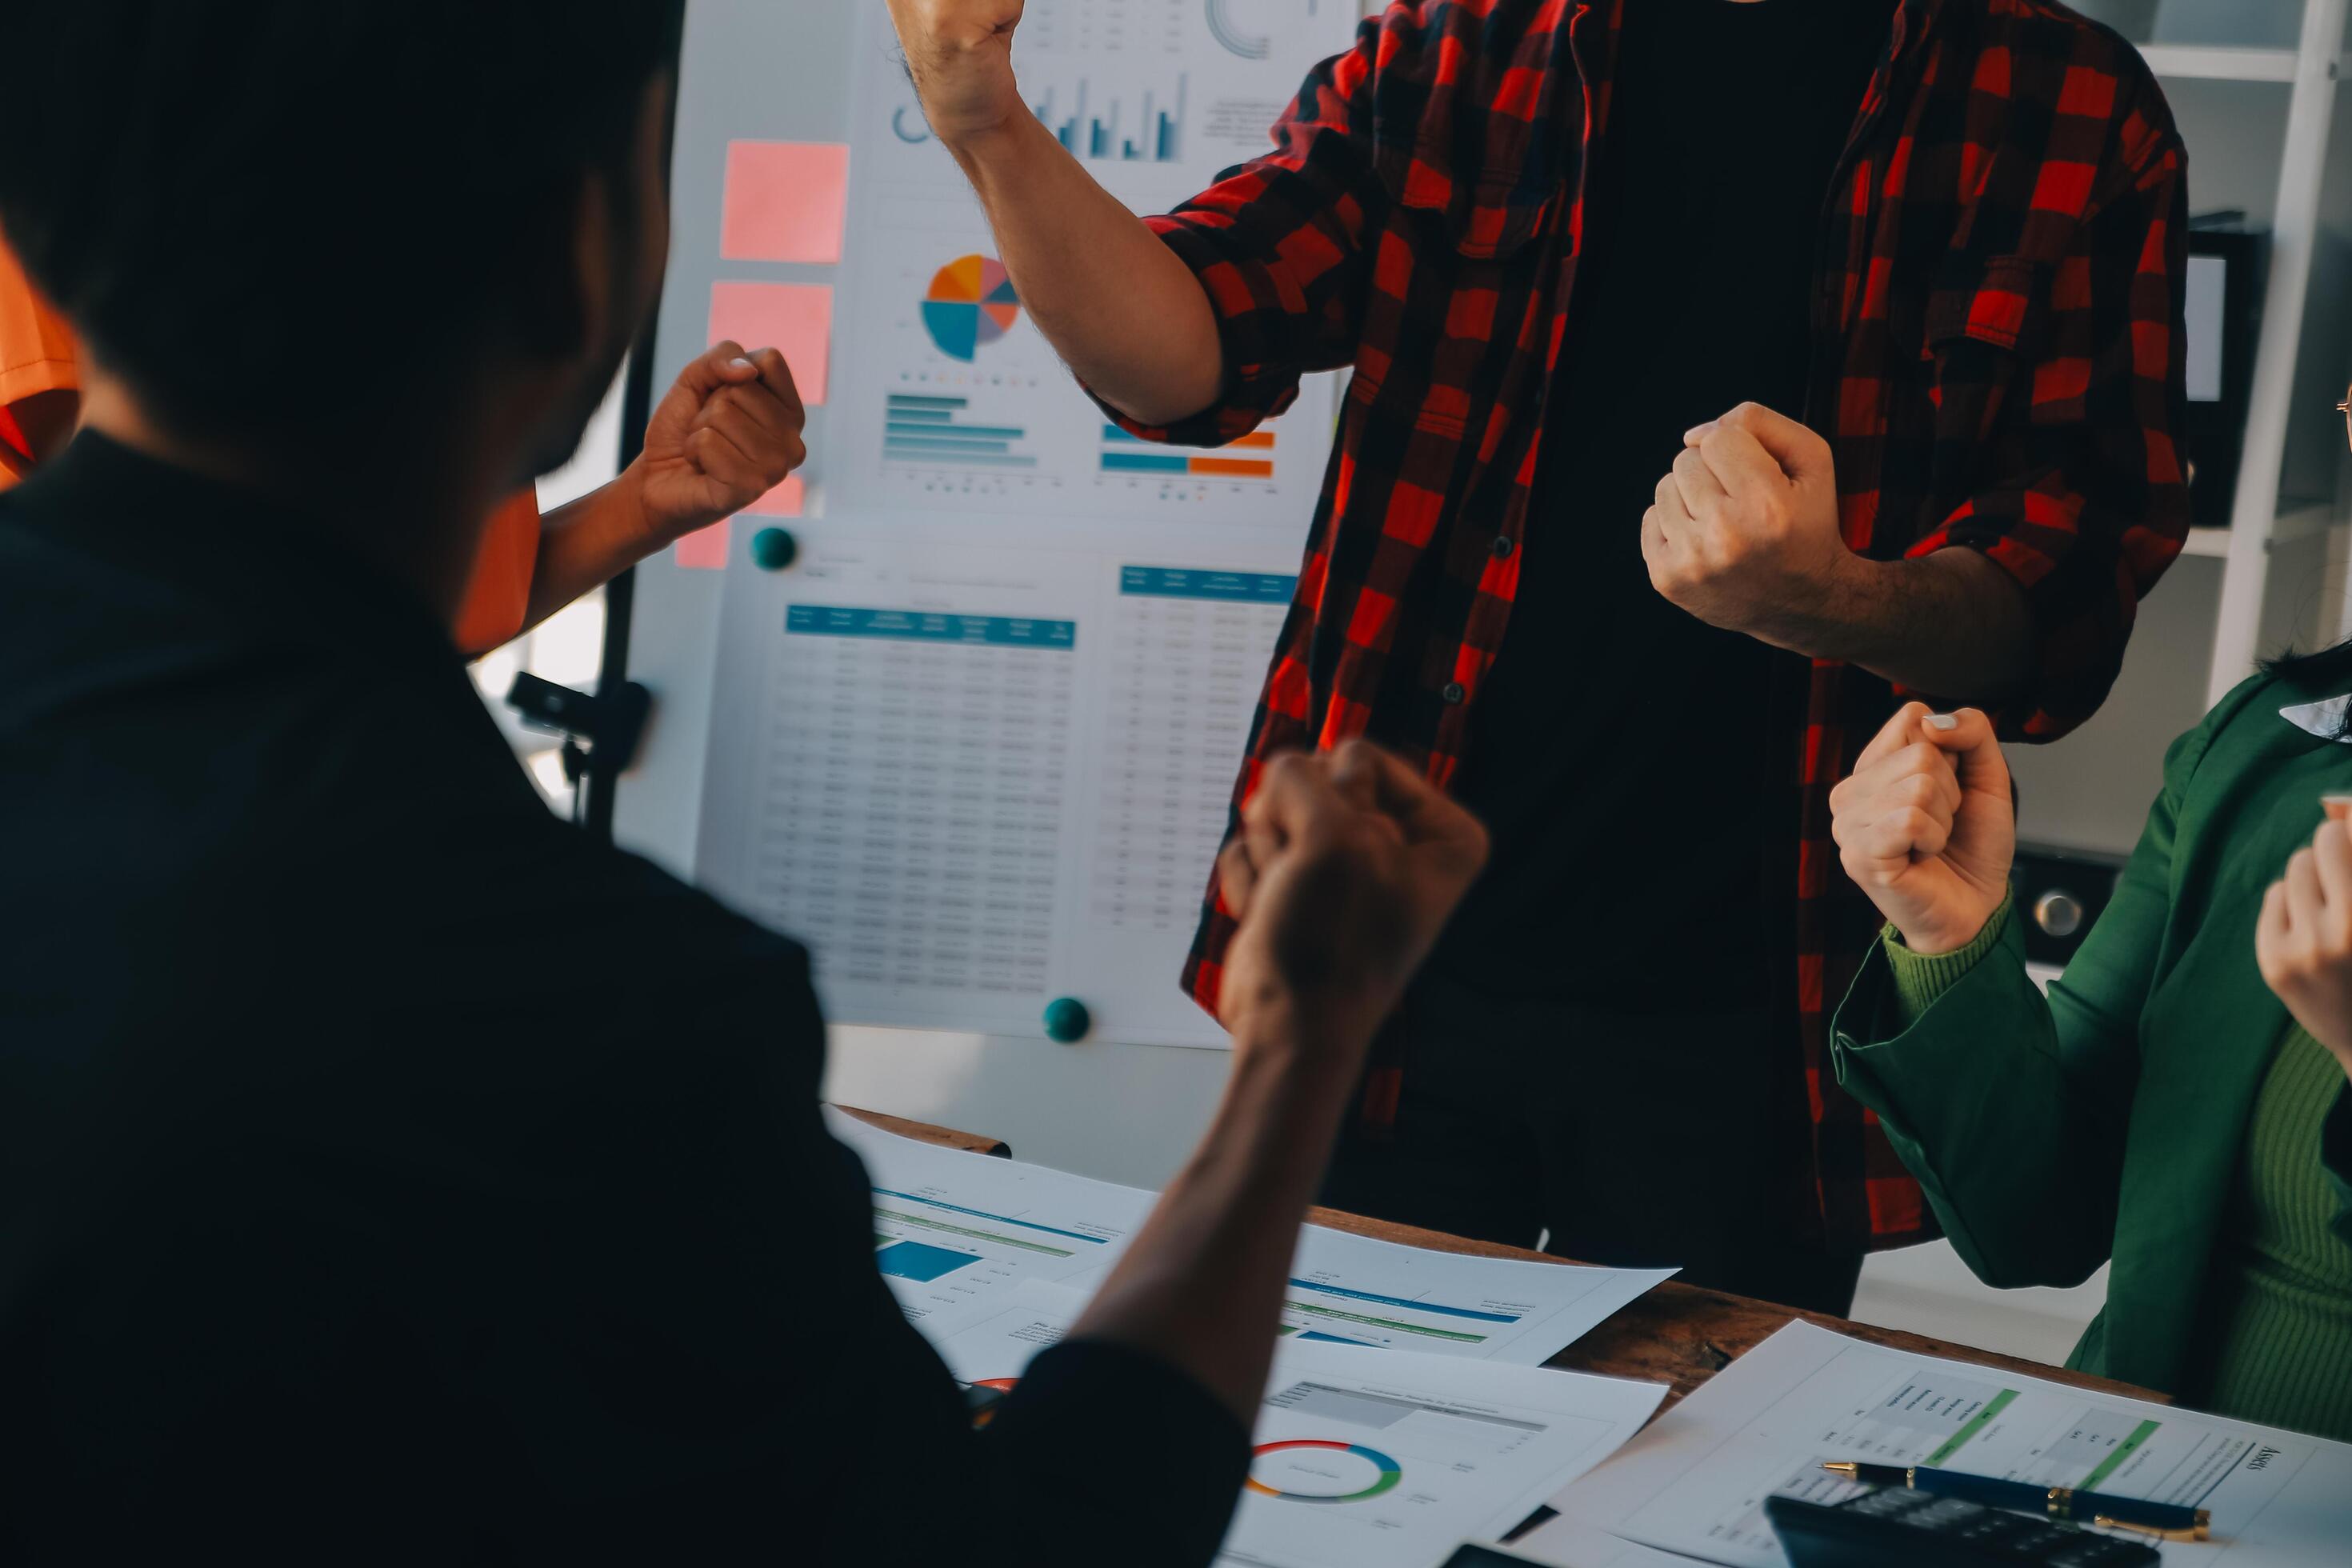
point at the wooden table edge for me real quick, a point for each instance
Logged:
(924, 1132)
(1677, 1334)
(1682, 1334)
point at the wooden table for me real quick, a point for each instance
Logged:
(924, 1132)
(1677, 1335)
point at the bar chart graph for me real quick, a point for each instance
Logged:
(1125, 454)
(938, 431)
(1144, 127)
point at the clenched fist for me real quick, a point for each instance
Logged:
(1744, 533)
(727, 434)
(959, 53)
(1348, 866)
(1926, 826)
(2302, 940)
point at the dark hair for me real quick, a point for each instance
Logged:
(252, 208)
(2325, 666)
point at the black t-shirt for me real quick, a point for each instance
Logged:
(1619, 751)
(390, 1174)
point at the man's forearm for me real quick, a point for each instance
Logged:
(1201, 1287)
(586, 544)
(1129, 317)
(1951, 623)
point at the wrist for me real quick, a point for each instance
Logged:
(1946, 939)
(1821, 613)
(997, 152)
(634, 523)
(1291, 1034)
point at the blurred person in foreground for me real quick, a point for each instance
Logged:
(525, 567)
(343, 1222)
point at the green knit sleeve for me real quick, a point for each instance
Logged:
(2336, 1157)
(1919, 979)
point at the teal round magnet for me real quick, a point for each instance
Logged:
(773, 549)
(1068, 1021)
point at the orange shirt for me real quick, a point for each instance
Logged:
(37, 355)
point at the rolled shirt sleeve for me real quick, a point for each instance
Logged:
(2086, 503)
(1279, 248)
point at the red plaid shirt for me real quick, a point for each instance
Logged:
(1997, 366)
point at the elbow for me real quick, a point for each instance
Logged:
(1179, 397)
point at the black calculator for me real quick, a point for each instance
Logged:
(1920, 1530)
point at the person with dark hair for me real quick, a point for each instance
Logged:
(2180, 1104)
(342, 1220)
(525, 567)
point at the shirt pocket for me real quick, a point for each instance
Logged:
(1982, 326)
(1486, 190)
(1996, 301)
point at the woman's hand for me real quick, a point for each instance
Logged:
(1927, 825)
(2302, 940)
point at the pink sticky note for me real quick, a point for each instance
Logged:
(785, 501)
(795, 316)
(786, 201)
(705, 550)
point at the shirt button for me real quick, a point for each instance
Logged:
(1455, 694)
(1503, 549)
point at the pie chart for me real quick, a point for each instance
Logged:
(971, 303)
(1316, 1469)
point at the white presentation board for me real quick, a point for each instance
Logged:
(975, 744)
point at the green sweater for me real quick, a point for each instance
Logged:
(2282, 1301)
(2147, 1112)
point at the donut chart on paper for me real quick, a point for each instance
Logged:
(1387, 1472)
(972, 303)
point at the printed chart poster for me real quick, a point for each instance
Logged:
(954, 401)
(977, 747)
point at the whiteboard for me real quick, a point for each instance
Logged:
(1016, 689)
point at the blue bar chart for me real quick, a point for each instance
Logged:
(914, 1260)
(938, 431)
(1115, 128)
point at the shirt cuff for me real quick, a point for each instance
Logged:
(23, 383)
(1256, 308)
(1919, 979)
(1196, 1451)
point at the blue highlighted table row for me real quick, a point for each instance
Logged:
(923, 625)
(1192, 583)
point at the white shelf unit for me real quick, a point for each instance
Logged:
(2258, 520)
(2220, 62)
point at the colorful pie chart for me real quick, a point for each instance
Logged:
(971, 303)
(1305, 1480)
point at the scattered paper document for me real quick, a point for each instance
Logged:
(1391, 1459)
(1695, 1482)
(955, 1232)
(1366, 1292)
(993, 1352)
(1367, 1458)
(1565, 1544)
